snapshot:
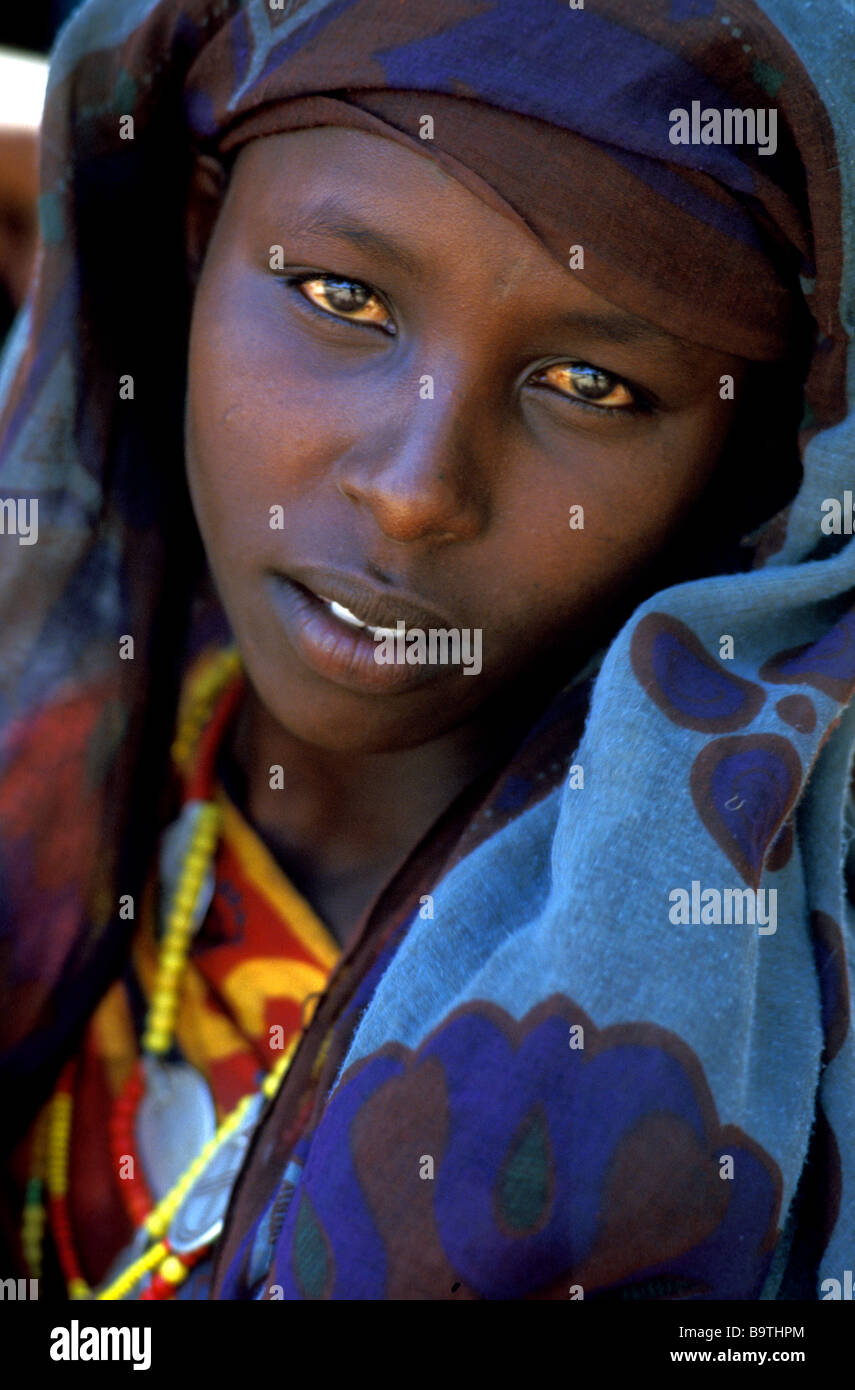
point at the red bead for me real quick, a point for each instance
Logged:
(136, 1197)
(158, 1289)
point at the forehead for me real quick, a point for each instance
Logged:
(298, 173)
(333, 185)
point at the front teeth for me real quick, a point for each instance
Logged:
(344, 613)
(339, 611)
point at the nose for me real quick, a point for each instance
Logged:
(420, 471)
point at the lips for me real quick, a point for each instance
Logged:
(344, 614)
(366, 605)
(332, 622)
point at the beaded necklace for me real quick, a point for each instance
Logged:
(156, 1250)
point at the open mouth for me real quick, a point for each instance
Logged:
(341, 643)
(344, 615)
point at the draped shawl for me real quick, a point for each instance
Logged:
(702, 1041)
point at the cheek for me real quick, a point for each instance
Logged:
(270, 406)
(584, 529)
(242, 431)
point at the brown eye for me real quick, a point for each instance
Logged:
(345, 299)
(581, 381)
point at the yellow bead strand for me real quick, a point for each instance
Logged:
(135, 1272)
(157, 1223)
(35, 1215)
(160, 1023)
(207, 686)
(57, 1145)
(157, 1039)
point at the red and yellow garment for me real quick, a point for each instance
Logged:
(255, 970)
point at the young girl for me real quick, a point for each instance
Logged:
(428, 653)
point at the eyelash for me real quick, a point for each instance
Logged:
(640, 404)
(295, 281)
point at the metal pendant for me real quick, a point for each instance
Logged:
(199, 1219)
(174, 1121)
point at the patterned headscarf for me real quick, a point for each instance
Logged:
(725, 773)
(707, 243)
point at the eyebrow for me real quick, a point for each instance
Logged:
(331, 218)
(618, 328)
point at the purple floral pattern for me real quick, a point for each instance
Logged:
(502, 1160)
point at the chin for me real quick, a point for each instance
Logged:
(328, 718)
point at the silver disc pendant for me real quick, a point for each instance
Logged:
(199, 1219)
(174, 1121)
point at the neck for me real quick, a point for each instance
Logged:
(342, 823)
(346, 808)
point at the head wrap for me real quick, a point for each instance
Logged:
(562, 119)
(739, 770)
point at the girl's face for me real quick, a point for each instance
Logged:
(403, 411)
